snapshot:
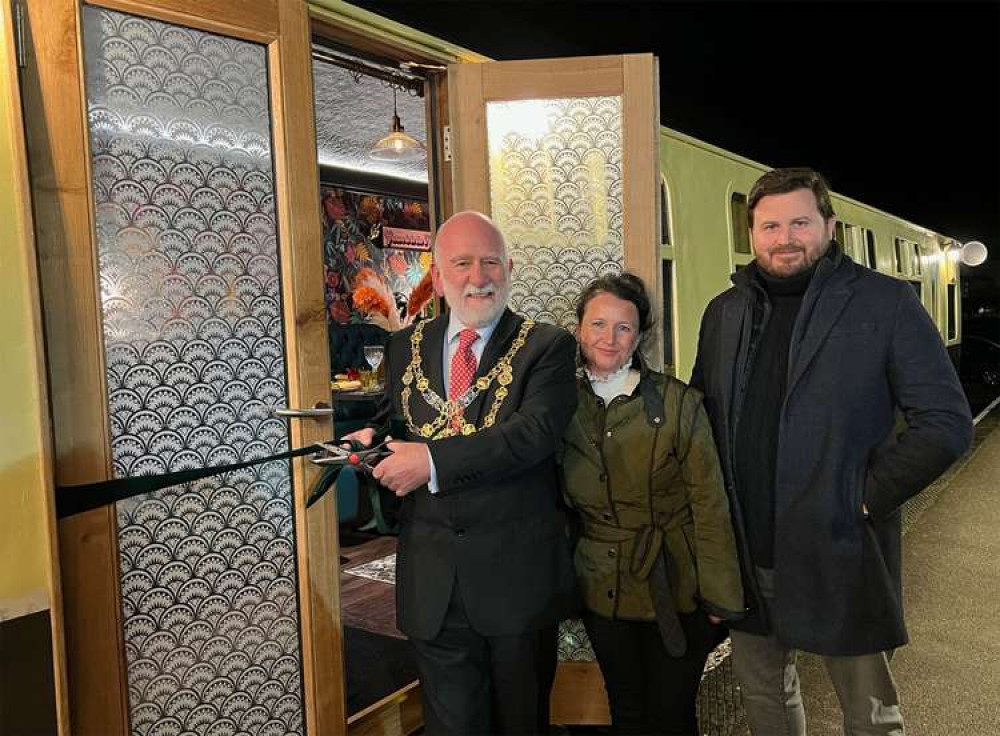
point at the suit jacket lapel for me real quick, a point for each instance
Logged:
(432, 355)
(499, 342)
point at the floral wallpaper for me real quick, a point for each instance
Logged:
(367, 280)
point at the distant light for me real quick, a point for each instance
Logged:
(973, 253)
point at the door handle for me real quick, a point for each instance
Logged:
(321, 409)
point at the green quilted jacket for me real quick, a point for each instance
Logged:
(643, 475)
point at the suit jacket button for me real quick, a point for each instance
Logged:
(612, 552)
(460, 532)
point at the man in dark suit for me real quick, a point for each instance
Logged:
(805, 364)
(484, 573)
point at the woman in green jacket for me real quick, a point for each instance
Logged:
(656, 557)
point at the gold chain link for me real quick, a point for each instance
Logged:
(441, 427)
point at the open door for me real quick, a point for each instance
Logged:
(173, 168)
(563, 155)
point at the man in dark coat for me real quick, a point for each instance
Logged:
(805, 365)
(484, 573)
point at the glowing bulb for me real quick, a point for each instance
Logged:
(973, 253)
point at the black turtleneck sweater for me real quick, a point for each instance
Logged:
(756, 440)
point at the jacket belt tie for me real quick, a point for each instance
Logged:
(650, 561)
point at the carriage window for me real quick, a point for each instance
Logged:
(897, 255)
(848, 239)
(952, 322)
(918, 264)
(839, 233)
(668, 315)
(738, 219)
(870, 248)
(664, 213)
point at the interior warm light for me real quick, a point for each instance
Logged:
(523, 118)
(398, 145)
(973, 253)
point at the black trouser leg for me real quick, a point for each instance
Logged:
(454, 676)
(649, 691)
(522, 668)
(473, 684)
(672, 694)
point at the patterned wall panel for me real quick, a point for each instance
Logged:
(556, 193)
(189, 275)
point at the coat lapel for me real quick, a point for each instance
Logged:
(830, 300)
(735, 314)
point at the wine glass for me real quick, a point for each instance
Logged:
(373, 357)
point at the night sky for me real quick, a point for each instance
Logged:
(897, 103)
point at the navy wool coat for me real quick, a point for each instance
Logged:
(863, 354)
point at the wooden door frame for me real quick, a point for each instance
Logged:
(58, 139)
(373, 35)
(22, 240)
(376, 37)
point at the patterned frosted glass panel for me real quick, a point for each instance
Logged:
(556, 193)
(188, 261)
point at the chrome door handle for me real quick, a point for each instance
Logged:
(321, 409)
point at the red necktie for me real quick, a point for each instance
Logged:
(463, 364)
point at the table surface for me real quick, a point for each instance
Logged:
(357, 395)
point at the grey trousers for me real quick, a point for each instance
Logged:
(769, 681)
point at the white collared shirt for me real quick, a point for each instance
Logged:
(449, 348)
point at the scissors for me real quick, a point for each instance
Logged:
(335, 458)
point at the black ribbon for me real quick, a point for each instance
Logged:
(72, 500)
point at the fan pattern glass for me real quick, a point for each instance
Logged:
(188, 267)
(556, 193)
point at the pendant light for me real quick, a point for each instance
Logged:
(397, 146)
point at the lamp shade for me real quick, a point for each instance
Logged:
(397, 146)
